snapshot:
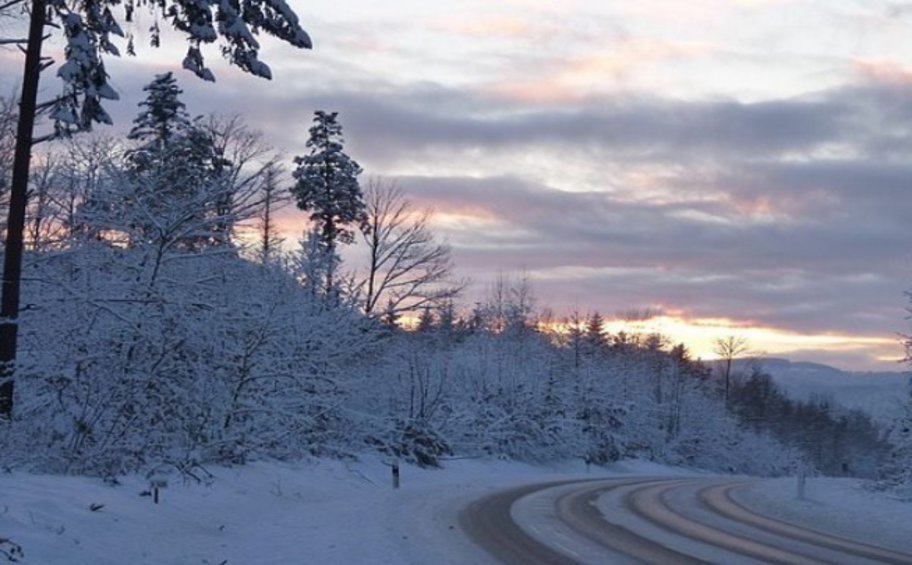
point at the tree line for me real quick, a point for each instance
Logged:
(156, 334)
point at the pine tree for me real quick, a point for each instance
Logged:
(575, 338)
(447, 318)
(594, 337)
(327, 185)
(425, 321)
(175, 166)
(390, 319)
(171, 142)
(164, 115)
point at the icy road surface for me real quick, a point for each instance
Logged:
(650, 520)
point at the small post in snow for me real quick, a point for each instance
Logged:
(802, 479)
(395, 468)
(157, 483)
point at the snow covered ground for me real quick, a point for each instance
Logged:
(838, 506)
(334, 512)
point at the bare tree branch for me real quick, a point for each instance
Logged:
(728, 349)
(407, 269)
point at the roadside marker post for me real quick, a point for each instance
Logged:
(157, 483)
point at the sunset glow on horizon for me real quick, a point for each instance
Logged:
(700, 336)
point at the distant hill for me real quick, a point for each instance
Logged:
(880, 394)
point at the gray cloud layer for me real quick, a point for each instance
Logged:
(792, 212)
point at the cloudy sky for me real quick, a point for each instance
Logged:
(740, 166)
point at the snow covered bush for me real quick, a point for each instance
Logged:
(412, 441)
(215, 360)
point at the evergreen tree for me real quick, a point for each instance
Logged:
(175, 166)
(575, 338)
(594, 338)
(171, 145)
(327, 185)
(163, 115)
(447, 318)
(390, 318)
(425, 321)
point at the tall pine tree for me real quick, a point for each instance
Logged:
(327, 186)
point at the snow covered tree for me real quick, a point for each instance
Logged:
(162, 118)
(425, 321)
(85, 167)
(896, 472)
(40, 224)
(313, 264)
(206, 357)
(574, 338)
(174, 156)
(88, 28)
(175, 167)
(327, 186)
(509, 306)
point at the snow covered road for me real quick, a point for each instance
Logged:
(651, 520)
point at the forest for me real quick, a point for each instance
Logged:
(165, 326)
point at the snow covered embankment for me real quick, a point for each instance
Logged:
(266, 513)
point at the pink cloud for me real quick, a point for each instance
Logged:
(495, 26)
(883, 71)
(574, 78)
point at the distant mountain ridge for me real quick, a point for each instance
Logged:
(880, 394)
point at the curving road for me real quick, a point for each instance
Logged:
(649, 520)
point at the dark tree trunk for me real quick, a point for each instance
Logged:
(12, 260)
